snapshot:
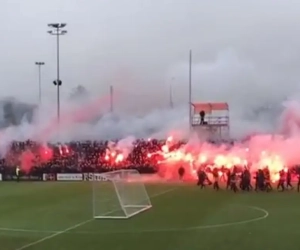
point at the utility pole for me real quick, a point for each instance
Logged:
(40, 64)
(111, 99)
(171, 97)
(57, 31)
(190, 89)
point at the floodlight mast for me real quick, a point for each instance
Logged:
(40, 64)
(111, 98)
(57, 31)
(190, 90)
(171, 97)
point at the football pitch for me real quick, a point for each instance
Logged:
(58, 216)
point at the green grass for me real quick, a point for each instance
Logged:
(186, 218)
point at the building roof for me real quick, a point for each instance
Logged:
(208, 107)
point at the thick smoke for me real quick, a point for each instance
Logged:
(143, 51)
(254, 104)
(253, 107)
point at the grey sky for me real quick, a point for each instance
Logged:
(245, 52)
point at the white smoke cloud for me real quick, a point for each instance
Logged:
(141, 50)
(253, 107)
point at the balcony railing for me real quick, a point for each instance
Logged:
(211, 121)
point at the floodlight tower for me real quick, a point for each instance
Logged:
(57, 31)
(190, 89)
(111, 98)
(40, 64)
(171, 97)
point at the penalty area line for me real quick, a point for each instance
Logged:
(77, 225)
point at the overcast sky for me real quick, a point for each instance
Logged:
(244, 52)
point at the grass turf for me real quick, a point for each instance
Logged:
(180, 219)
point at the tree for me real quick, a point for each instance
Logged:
(9, 115)
(14, 112)
(79, 93)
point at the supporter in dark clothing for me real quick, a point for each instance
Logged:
(281, 181)
(233, 180)
(289, 179)
(246, 180)
(216, 179)
(261, 180)
(201, 178)
(228, 174)
(181, 172)
(268, 186)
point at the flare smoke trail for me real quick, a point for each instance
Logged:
(251, 63)
(252, 107)
(228, 78)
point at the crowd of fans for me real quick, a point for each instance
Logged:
(147, 156)
(80, 156)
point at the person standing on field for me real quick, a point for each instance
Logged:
(289, 179)
(233, 180)
(281, 181)
(268, 186)
(298, 175)
(18, 173)
(201, 178)
(181, 172)
(216, 179)
(228, 175)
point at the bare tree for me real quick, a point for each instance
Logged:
(79, 93)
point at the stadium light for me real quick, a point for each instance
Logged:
(190, 90)
(57, 25)
(40, 64)
(57, 31)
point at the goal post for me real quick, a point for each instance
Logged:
(119, 194)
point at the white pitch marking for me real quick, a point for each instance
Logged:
(22, 230)
(76, 226)
(54, 235)
(266, 214)
(163, 192)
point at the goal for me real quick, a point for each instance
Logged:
(119, 194)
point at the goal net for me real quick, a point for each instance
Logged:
(119, 194)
